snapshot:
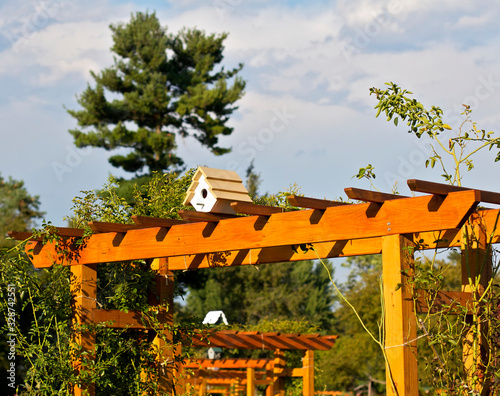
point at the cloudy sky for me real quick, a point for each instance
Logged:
(307, 116)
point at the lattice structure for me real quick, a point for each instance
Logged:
(384, 223)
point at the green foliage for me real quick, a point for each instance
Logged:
(395, 101)
(279, 199)
(163, 195)
(45, 333)
(248, 295)
(451, 328)
(253, 181)
(18, 209)
(356, 358)
(163, 85)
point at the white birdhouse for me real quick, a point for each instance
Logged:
(213, 190)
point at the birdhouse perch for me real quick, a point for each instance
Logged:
(213, 190)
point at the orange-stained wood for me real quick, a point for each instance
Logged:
(155, 221)
(400, 320)
(407, 215)
(250, 381)
(445, 301)
(118, 319)
(308, 373)
(313, 203)
(60, 231)
(197, 217)
(370, 196)
(444, 189)
(227, 363)
(100, 226)
(84, 292)
(256, 210)
(256, 340)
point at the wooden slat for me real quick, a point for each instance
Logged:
(100, 226)
(61, 231)
(270, 341)
(252, 209)
(401, 216)
(119, 319)
(227, 363)
(202, 217)
(312, 203)
(370, 196)
(451, 299)
(219, 174)
(443, 189)
(290, 372)
(22, 236)
(155, 221)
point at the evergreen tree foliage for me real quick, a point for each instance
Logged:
(161, 85)
(18, 209)
(248, 294)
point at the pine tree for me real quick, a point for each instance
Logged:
(161, 85)
(18, 208)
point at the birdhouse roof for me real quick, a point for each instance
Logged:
(223, 184)
(215, 317)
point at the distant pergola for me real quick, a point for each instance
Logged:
(445, 216)
(247, 373)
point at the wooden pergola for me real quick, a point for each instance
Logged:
(444, 216)
(237, 373)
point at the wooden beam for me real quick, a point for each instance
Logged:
(370, 196)
(155, 221)
(115, 318)
(100, 226)
(252, 209)
(448, 302)
(23, 236)
(408, 215)
(312, 203)
(400, 321)
(60, 231)
(256, 340)
(237, 363)
(445, 189)
(192, 216)
(276, 254)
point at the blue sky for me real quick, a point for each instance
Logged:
(307, 116)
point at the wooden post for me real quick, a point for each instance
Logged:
(308, 373)
(84, 291)
(164, 298)
(278, 367)
(203, 387)
(476, 274)
(400, 320)
(269, 376)
(250, 381)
